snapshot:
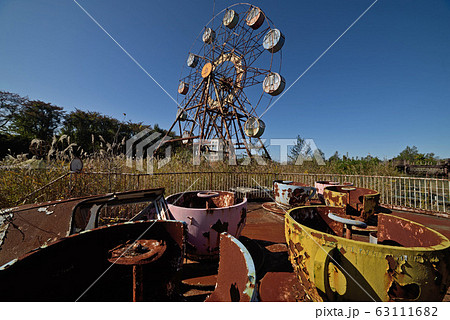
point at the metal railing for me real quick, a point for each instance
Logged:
(422, 194)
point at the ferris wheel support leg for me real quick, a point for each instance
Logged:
(176, 120)
(264, 148)
(162, 141)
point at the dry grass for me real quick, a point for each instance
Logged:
(19, 176)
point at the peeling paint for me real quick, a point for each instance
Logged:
(289, 194)
(386, 272)
(4, 224)
(8, 264)
(45, 209)
(360, 202)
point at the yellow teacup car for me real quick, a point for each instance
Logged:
(407, 262)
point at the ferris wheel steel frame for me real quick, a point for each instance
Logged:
(215, 104)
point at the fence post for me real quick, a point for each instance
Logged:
(210, 180)
(70, 185)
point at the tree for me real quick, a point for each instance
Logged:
(89, 129)
(296, 149)
(334, 157)
(93, 131)
(413, 154)
(409, 153)
(299, 147)
(9, 105)
(37, 120)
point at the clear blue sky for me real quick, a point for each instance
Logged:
(383, 86)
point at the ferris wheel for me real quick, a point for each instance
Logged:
(232, 72)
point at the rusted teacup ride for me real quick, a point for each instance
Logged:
(290, 194)
(359, 202)
(208, 214)
(132, 261)
(321, 185)
(409, 262)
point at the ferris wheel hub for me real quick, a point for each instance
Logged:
(207, 69)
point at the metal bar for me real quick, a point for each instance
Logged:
(415, 205)
(395, 189)
(409, 192)
(420, 193)
(437, 198)
(179, 139)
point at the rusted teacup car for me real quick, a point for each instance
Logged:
(290, 194)
(31, 226)
(208, 214)
(357, 201)
(409, 262)
(321, 185)
(131, 261)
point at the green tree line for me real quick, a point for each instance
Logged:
(23, 119)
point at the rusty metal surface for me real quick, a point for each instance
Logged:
(207, 218)
(440, 224)
(63, 270)
(33, 226)
(264, 226)
(411, 264)
(360, 202)
(237, 276)
(405, 233)
(281, 287)
(137, 252)
(273, 207)
(267, 231)
(416, 210)
(321, 185)
(289, 194)
(27, 227)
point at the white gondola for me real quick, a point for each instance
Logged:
(273, 84)
(273, 40)
(255, 18)
(230, 19)
(209, 36)
(254, 127)
(183, 87)
(192, 60)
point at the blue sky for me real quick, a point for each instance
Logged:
(383, 86)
